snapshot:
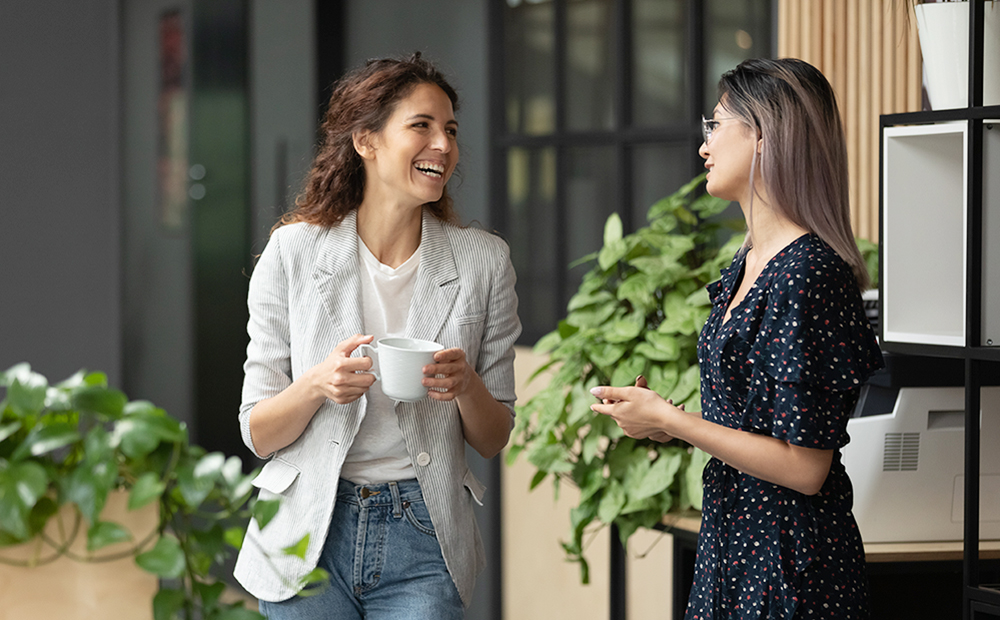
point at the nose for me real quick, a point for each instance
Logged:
(703, 150)
(441, 141)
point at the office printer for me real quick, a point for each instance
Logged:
(906, 454)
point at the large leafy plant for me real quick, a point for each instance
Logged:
(638, 311)
(64, 448)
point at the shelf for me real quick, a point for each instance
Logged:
(939, 116)
(923, 233)
(924, 236)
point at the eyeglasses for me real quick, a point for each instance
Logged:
(709, 125)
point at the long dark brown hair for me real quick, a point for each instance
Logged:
(362, 101)
(803, 165)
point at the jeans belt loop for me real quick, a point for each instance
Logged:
(397, 505)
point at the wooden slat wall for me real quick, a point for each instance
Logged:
(868, 50)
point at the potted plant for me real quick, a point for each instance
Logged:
(639, 310)
(65, 448)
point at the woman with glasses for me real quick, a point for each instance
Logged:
(783, 356)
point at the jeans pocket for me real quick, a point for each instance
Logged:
(422, 522)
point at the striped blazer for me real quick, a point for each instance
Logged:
(305, 298)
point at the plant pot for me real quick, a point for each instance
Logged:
(72, 590)
(943, 28)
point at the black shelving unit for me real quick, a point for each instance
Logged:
(980, 601)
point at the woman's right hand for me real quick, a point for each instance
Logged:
(339, 377)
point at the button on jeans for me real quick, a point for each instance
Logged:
(384, 561)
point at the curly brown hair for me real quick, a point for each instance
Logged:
(362, 101)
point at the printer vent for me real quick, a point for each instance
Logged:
(901, 452)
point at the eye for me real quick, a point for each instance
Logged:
(452, 131)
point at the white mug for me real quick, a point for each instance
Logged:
(400, 364)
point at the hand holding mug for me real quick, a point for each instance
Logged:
(448, 377)
(338, 376)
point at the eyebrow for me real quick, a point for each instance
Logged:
(430, 118)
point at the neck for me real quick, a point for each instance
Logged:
(391, 234)
(769, 230)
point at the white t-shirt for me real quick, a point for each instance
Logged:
(378, 453)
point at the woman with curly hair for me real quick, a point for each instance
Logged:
(372, 250)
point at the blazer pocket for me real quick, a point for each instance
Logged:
(470, 331)
(471, 319)
(276, 476)
(475, 487)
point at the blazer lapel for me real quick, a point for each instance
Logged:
(437, 283)
(337, 275)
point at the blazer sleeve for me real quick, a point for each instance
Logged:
(268, 367)
(495, 365)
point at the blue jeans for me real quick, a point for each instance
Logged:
(384, 561)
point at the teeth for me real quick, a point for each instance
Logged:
(431, 169)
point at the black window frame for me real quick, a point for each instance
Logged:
(624, 137)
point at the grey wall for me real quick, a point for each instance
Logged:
(283, 102)
(452, 34)
(59, 195)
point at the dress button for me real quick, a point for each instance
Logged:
(423, 459)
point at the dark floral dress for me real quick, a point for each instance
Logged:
(789, 363)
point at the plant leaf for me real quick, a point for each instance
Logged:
(234, 537)
(314, 582)
(147, 488)
(264, 510)
(21, 486)
(104, 533)
(45, 438)
(165, 559)
(240, 613)
(299, 548)
(612, 502)
(99, 399)
(660, 474)
(6, 430)
(167, 603)
(25, 390)
(613, 229)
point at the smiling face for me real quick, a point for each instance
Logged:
(728, 156)
(409, 161)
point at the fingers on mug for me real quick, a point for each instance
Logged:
(400, 363)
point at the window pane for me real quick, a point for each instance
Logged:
(658, 62)
(590, 59)
(531, 190)
(734, 31)
(591, 197)
(529, 72)
(657, 172)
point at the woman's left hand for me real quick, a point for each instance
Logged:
(639, 411)
(448, 377)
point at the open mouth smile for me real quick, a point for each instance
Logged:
(435, 171)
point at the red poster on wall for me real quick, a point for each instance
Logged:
(172, 112)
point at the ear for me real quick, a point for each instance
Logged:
(760, 145)
(362, 144)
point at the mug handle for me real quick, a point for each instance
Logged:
(372, 352)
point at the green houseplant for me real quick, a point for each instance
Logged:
(638, 311)
(64, 448)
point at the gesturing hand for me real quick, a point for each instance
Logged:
(637, 410)
(448, 377)
(337, 376)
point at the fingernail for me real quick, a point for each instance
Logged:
(596, 391)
